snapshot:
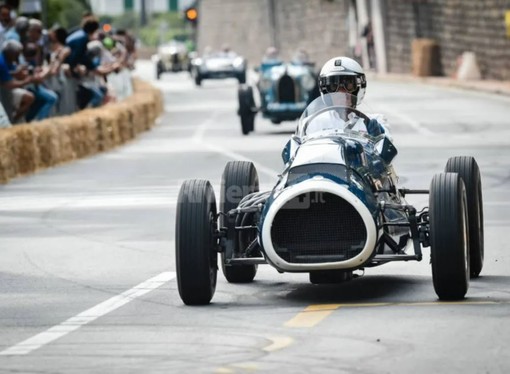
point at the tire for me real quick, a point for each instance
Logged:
(195, 243)
(449, 243)
(239, 179)
(468, 170)
(198, 80)
(246, 108)
(247, 123)
(242, 77)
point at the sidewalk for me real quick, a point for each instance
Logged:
(489, 86)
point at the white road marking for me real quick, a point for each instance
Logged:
(90, 315)
(415, 124)
(238, 156)
(199, 132)
(197, 138)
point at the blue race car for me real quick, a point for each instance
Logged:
(285, 89)
(335, 209)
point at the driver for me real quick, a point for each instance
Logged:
(345, 75)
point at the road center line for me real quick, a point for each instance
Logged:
(312, 315)
(74, 323)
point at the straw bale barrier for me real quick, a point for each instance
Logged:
(27, 148)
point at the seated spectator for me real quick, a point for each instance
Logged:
(45, 99)
(13, 78)
(77, 42)
(19, 31)
(35, 35)
(59, 71)
(94, 80)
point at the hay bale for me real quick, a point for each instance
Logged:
(27, 152)
(8, 150)
(48, 142)
(25, 148)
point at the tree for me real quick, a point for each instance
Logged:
(67, 13)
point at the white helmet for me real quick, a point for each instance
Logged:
(343, 72)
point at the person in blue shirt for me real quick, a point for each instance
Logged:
(14, 78)
(77, 42)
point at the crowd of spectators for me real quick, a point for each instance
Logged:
(54, 71)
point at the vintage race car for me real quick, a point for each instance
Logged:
(171, 57)
(219, 65)
(336, 208)
(284, 90)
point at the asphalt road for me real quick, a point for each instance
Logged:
(87, 269)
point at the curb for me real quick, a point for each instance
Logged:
(488, 86)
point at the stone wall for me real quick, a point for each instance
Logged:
(250, 26)
(320, 26)
(457, 26)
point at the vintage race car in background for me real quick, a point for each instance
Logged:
(171, 57)
(284, 89)
(219, 65)
(335, 208)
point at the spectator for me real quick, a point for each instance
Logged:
(59, 71)
(45, 99)
(94, 81)
(77, 42)
(35, 35)
(6, 21)
(19, 31)
(368, 33)
(12, 78)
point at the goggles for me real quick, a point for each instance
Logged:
(331, 84)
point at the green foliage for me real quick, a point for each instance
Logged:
(66, 13)
(160, 28)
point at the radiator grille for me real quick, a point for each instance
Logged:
(286, 90)
(318, 227)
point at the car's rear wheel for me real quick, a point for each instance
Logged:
(159, 71)
(239, 179)
(449, 236)
(247, 110)
(196, 243)
(469, 171)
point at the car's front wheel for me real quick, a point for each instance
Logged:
(247, 109)
(449, 236)
(196, 243)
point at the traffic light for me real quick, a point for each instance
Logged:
(191, 14)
